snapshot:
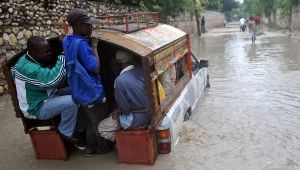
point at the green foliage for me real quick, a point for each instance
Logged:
(229, 5)
(214, 5)
(252, 7)
(166, 8)
(276, 27)
(171, 8)
(267, 7)
(222, 5)
(286, 6)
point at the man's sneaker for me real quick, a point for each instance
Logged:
(79, 146)
(67, 138)
(89, 151)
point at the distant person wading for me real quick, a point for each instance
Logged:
(252, 29)
(202, 24)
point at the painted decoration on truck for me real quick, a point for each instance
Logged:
(168, 61)
(156, 37)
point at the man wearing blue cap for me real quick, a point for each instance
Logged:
(83, 67)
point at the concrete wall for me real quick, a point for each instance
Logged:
(214, 19)
(295, 25)
(187, 22)
(276, 18)
(280, 20)
(283, 22)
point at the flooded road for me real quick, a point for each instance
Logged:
(248, 120)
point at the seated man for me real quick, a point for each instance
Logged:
(36, 85)
(131, 98)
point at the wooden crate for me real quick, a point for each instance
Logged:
(136, 147)
(47, 144)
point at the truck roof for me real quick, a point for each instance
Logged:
(144, 41)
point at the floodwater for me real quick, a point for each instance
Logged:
(250, 117)
(248, 120)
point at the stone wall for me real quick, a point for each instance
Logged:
(20, 19)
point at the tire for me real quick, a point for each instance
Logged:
(188, 115)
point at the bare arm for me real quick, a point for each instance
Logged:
(95, 50)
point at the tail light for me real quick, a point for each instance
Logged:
(164, 141)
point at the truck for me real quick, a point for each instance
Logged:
(175, 81)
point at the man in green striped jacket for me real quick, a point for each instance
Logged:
(36, 84)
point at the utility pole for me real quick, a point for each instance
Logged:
(197, 18)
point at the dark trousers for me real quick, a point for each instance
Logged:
(87, 124)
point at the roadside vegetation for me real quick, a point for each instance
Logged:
(166, 8)
(173, 8)
(268, 8)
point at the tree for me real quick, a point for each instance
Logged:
(267, 7)
(286, 6)
(228, 5)
(252, 7)
(222, 5)
(197, 17)
(171, 8)
(166, 8)
(214, 5)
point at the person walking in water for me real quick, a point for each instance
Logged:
(242, 25)
(202, 24)
(252, 29)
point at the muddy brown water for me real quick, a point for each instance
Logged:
(248, 120)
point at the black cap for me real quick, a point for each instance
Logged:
(77, 16)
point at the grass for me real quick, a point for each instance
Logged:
(275, 27)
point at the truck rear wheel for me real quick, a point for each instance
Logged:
(188, 114)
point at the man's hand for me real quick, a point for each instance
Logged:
(151, 125)
(94, 42)
(115, 114)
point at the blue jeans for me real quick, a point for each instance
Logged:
(134, 120)
(253, 34)
(67, 109)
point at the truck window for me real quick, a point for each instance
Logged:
(180, 69)
(195, 64)
(171, 76)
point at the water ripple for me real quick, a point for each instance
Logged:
(250, 118)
